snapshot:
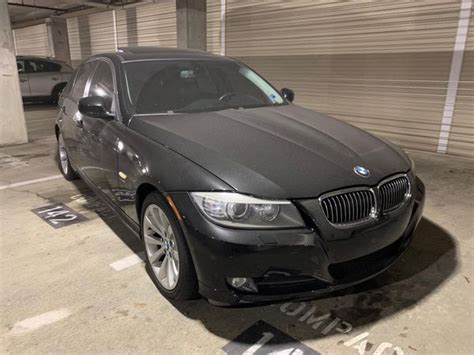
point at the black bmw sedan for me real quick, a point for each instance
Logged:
(236, 193)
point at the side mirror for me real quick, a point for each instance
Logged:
(288, 94)
(94, 106)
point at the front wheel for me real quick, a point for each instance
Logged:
(63, 160)
(168, 260)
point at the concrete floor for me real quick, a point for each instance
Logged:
(59, 292)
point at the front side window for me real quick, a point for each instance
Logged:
(164, 86)
(102, 84)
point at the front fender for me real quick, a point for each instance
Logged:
(143, 161)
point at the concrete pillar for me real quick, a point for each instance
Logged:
(12, 117)
(191, 24)
(58, 39)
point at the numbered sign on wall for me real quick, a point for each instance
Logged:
(58, 215)
(261, 338)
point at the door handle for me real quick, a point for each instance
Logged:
(22, 80)
(55, 78)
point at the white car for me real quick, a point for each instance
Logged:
(42, 78)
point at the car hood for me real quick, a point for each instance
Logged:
(275, 152)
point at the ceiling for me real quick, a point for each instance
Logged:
(27, 11)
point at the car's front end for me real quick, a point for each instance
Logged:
(347, 237)
(305, 203)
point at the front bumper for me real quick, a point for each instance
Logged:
(297, 263)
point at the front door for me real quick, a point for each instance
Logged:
(100, 156)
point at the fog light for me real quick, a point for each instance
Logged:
(237, 282)
(242, 284)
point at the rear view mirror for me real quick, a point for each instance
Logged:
(94, 106)
(288, 94)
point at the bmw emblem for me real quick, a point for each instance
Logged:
(361, 171)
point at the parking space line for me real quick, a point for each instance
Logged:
(39, 321)
(128, 261)
(28, 182)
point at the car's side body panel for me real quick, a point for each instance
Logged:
(143, 161)
(69, 122)
(42, 84)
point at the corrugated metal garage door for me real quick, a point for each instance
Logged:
(32, 40)
(380, 66)
(147, 25)
(214, 26)
(90, 34)
(461, 138)
(144, 25)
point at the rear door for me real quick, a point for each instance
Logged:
(72, 124)
(43, 76)
(23, 76)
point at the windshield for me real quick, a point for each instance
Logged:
(165, 86)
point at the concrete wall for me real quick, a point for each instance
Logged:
(58, 38)
(191, 24)
(12, 118)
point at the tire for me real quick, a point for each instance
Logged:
(63, 161)
(57, 90)
(166, 250)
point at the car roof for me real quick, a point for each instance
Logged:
(51, 59)
(125, 54)
(34, 57)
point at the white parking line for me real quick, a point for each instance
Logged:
(39, 321)
(131, 260)
(28, 182)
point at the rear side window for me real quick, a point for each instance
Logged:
(80, 81)
(20, 64)
(42, 66)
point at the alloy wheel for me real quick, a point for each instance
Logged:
(62, 154)
(160, 246)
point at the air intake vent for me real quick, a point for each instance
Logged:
(393, 193)
(349, 207)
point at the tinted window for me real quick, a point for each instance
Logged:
(196, 86)
(42, 66)
(80, 81)
(20, 64)
(102, 84)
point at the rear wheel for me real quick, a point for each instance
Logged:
(168, 261)
(58, 89)
(63, 160)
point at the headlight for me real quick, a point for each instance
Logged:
(240, 211)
